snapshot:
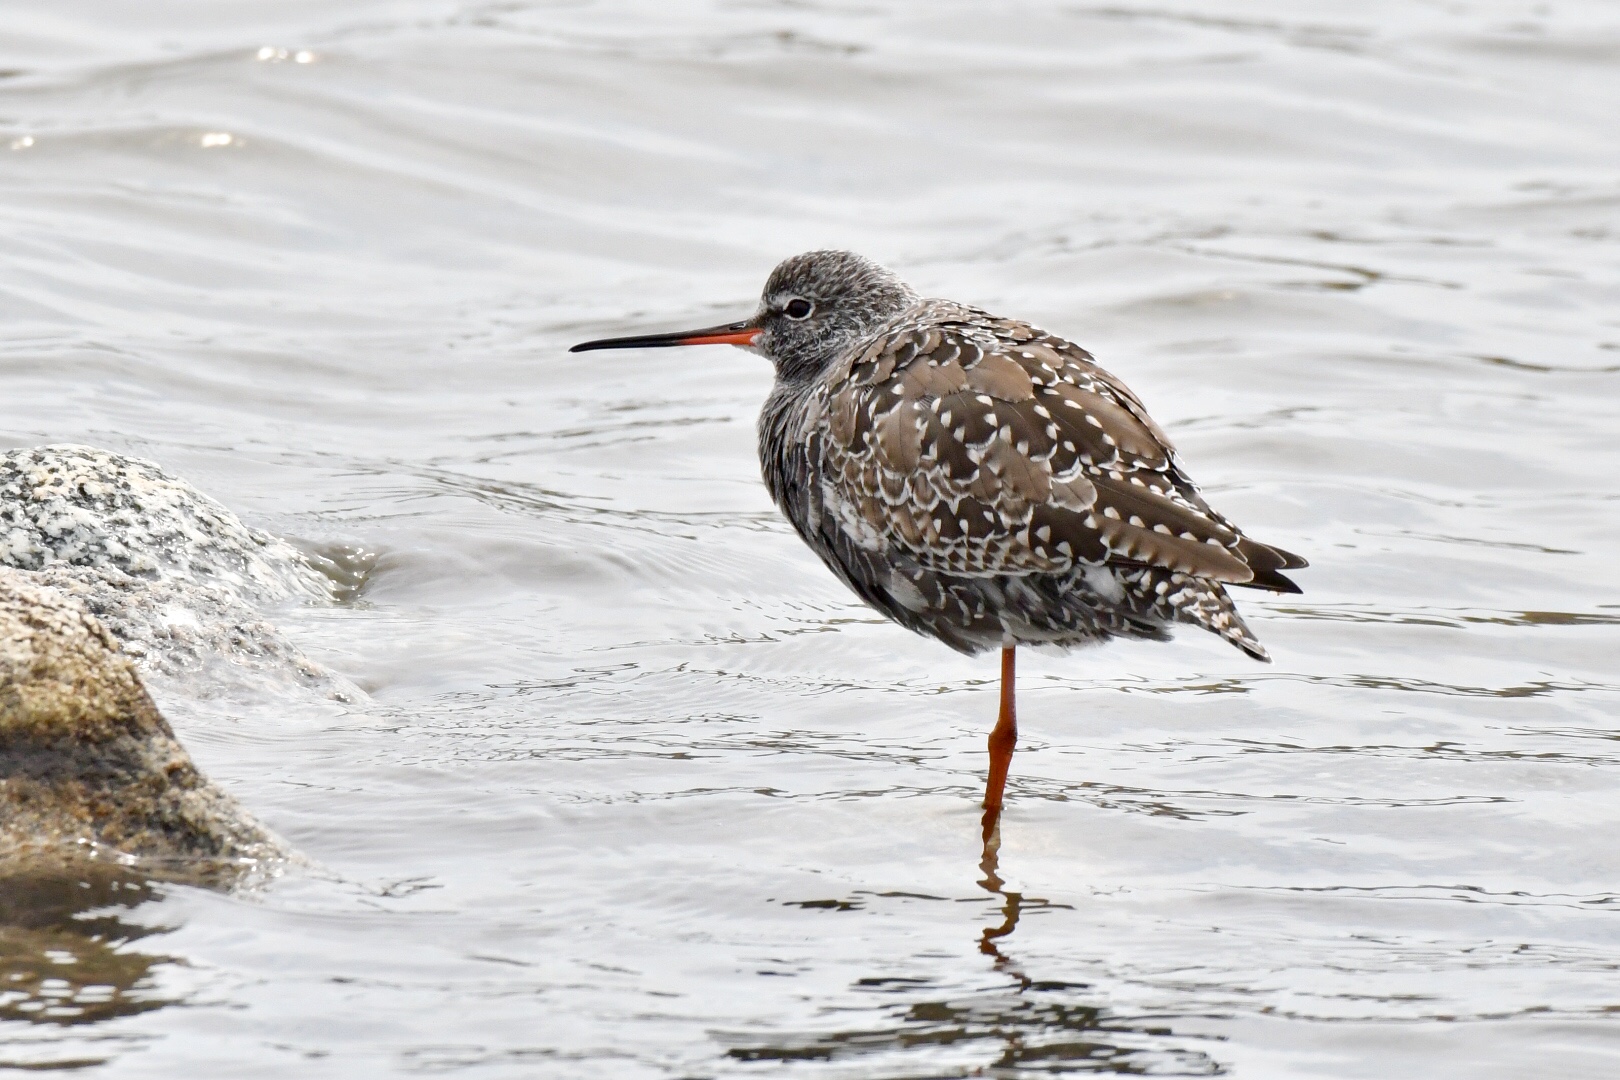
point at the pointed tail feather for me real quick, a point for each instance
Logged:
(1176, 597)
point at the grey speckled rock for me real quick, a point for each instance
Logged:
(176, 577)
(88, 766)
(83, 507)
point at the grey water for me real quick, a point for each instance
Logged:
(637, 789)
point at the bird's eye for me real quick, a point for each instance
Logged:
(798, 309)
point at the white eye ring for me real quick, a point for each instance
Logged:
(798, 308)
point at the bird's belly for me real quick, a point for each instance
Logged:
(1085, 606)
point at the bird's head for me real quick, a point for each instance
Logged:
(814, 307)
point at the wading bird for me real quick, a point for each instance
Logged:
(978, 480)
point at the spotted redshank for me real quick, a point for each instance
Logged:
(978, 480)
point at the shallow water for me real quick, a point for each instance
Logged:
(640, 791)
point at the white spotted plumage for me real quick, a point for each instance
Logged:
(983, 482)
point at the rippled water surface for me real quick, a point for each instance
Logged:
(639, 789)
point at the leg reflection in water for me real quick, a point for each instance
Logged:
(1027, 1028)
(1012, 907)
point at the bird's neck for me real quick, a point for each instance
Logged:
(781, 442)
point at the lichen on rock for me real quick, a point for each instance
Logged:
(88, 765)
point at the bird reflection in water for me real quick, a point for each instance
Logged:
(1030, 1027)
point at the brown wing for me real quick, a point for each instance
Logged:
(979, 446)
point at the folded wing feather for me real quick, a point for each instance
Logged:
(987, 447)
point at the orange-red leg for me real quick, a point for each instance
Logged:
(1002, 740)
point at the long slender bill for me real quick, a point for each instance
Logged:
(740, 333)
